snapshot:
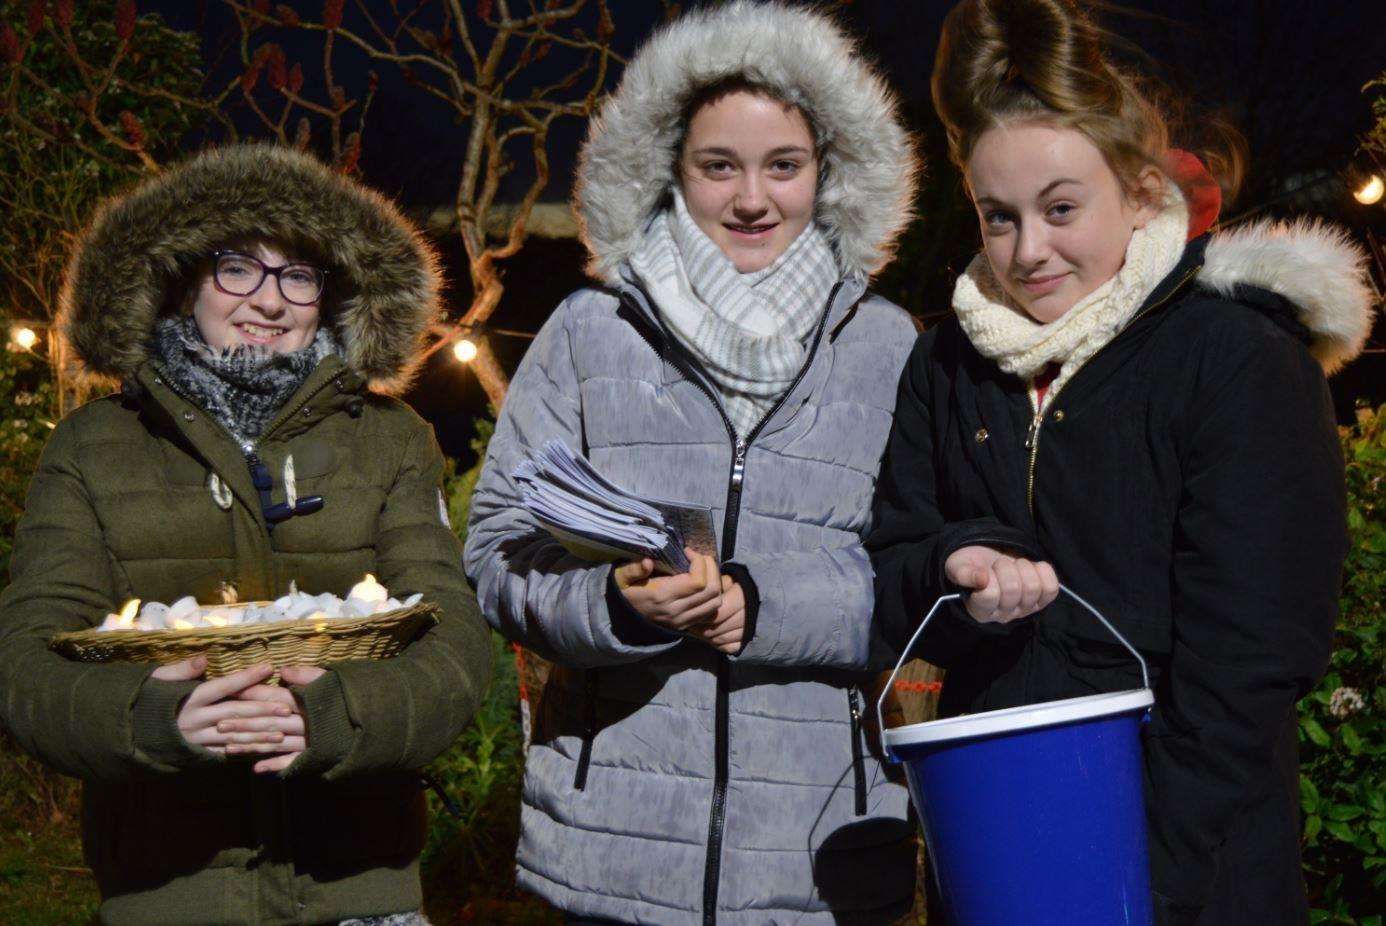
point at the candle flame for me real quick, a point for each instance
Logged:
(126, 618)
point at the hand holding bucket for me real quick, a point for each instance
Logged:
(1033, 814)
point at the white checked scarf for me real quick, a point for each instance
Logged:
(1002, 331)
(749, 330)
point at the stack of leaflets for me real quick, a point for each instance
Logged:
(597, 520)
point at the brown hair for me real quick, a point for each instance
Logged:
(1045, 60)
(718, 90)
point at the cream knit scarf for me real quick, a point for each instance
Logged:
(749, 330)
(1002, 331)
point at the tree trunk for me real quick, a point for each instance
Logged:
(489, 373)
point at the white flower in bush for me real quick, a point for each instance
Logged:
(1344, 702)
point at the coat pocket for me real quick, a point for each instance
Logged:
(168, 827)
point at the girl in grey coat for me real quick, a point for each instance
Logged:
(698, 754)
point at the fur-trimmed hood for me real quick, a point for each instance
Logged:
(1313, 265)
(384, 277)
(627, 165)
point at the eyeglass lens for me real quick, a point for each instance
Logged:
(241, 275)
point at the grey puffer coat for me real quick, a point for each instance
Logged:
(666, 782)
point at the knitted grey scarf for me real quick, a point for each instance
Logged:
(244, 388)
(750, 331)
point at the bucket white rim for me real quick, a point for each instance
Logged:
(1025, 717)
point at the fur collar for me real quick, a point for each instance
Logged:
(1313, 265)
(117, 281)
(626, 167)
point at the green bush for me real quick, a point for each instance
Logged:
(1342, 722)
(469, 862)
(27, 410)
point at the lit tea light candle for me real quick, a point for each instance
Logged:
(125, 620)
(368, 590)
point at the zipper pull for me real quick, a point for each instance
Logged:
(259, 472)
(1034, 430)
(739, 464)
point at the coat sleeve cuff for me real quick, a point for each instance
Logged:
(628, 625)
(154, 726)
(742, 577)
(331, 734)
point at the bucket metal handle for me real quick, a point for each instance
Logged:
(890, 683)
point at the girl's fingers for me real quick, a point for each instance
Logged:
(1030, 588)
(1008, 581)
(256, 749)
(255, 740)
(181, 671)
(669, 590)
(211, 736)
(983, 602)
(277, 764)
(290, 725)
(687, 618)
(628, 574)
(270, 694)
(712, 575)
(1049, 580)
(301, 675)
(294, 744)
(700, 601)
(210, 714)
(218, 688)
(970, 567)
(722, 639)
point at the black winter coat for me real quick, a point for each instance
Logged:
(1188, 482)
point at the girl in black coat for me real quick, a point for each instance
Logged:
(1139, 409)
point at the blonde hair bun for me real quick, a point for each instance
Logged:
(1046, 60)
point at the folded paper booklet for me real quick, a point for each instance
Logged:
(597, 520)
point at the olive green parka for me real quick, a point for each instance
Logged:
(121, 508)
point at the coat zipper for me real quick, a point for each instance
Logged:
(858, 765)
(735, 484)
(1033, 435)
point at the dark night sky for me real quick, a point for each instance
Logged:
(1286, 73)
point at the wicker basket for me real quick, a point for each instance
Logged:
(280, 643)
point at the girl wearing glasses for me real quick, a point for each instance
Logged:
(256, 308)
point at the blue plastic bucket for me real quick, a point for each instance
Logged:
(1033, 814)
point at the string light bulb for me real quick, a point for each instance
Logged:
(25, 337)
(1371, 191)
(464, 350)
